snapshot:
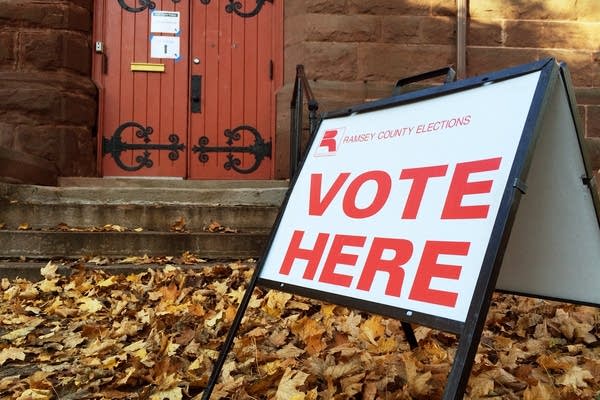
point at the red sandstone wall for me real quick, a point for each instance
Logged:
(47, 99)
(504, 33)
(355, 50)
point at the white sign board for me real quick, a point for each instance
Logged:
(165, 47)
(554, 245)
(396, 206)
(165, 22)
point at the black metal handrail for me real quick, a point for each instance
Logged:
(301, 88)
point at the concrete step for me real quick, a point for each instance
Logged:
(52, 244)
(146, 195)
(245, 210)
(150, 217)
(31, 269)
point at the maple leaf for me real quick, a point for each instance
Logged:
(89, 305)
(24, 227)
(49, 271)
(11, 353)
(575, 377)
(276, 302)
(18, 333)
(541, 391)
(288, 385)
(178, 225)
(372, 329)
(172, 394)
(36, 394)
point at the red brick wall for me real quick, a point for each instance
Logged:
(47, 99)
(355, 50)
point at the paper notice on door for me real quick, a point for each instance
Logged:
(164, 47)
(164, 22)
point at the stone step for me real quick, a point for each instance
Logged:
(53, 244)
(31, 269)
(172, 183)
(150, 217)
(154, 217)
(270, 196)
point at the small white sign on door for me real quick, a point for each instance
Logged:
(164, 47)
(164, 22)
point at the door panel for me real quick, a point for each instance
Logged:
(153, 124)
(144, 114)
(233, 136)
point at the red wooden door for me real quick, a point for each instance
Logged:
(235, 51)
(187, 87)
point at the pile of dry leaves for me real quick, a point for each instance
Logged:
(155, 335)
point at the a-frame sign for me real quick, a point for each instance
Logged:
(419, 206)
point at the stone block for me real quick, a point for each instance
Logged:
(438, 30)
(443, 8)
(595, 70)
(7, 48)
(592, 126)
(484, 32)
(71, 148)
(76, 53)
(23, 168)
(77, 109)
(294, 8)
(294, 30)
(87, 4)
(588, 95)
(31, 101)
(390, 7)
(581, 10)
(488, 59)
(295, 54)
(41, 49)
(325, 6)
(389, 62)
(50, 50)
(331, 61)
(401, 29)
(342, 28)
(79, 19)
(552, 34)
(418, 30)
(583, 70)
(50, 15)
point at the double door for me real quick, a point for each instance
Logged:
(187, 87)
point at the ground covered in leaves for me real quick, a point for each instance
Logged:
(155, 335)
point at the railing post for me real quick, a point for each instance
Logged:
(301, 87)
(296, 121)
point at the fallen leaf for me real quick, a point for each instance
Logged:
(575, 377)
(288, 385)
(36, 394)
(17, 333)
(172, 394)
(11, 353)
(372, 328)
(89, 305)
(178, 225)
(49, 271)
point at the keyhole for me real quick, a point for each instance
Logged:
(165, 49)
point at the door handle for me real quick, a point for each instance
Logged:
(196, 94)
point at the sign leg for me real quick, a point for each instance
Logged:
(231, 336)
